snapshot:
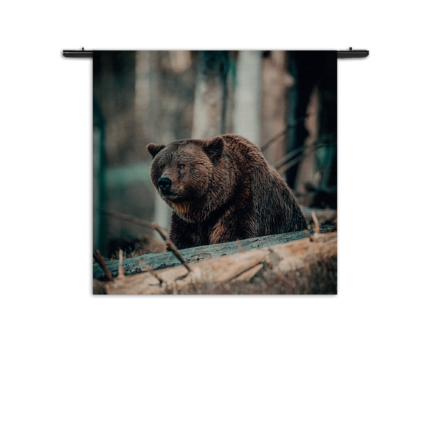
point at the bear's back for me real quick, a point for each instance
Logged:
(275, 209)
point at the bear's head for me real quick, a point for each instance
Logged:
(185, 174)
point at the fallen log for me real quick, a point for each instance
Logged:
(192, 255)
(268, 267)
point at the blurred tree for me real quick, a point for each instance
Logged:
(164, 96)
(312, 70)
(99, 181)
(142, 91)
(150, 65)
(301, 68)
(327, 86)
(307, 169)
(210, 95)
(276, 82)
(180, 60)
(247, 111)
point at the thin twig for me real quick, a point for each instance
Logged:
(291, 154)
(151, 271)
(239, 246)
(268, 260)
(172, 246)
(130, 218)
(121, 271)
(174, 289)
(125, 239)
(294, 152)
(102, 263)
(155, 226)
(175, 251)
(317, 224)
(280, 134)
(145, 247)
(334, 228)
(153, 242)
(308, 150)
(288, 156)
(273, 139)
(245, 269)
(308, 234)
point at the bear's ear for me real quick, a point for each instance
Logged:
(154, 149)
(214, 147)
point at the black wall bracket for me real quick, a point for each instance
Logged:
(353, 53)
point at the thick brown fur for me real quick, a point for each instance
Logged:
(222, 190)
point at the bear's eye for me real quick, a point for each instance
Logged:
(181, 166)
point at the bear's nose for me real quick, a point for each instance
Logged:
(164, 183)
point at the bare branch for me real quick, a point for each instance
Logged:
(102, 263)
(308, 235)
(334, 228)
(246, 268)
(156, 227)
(317, 224)
(122, 238)
(129, 218)
(283, 165)
(152, 272)
(282, 133)
(175, 251)
(171, 245)
(121, 271)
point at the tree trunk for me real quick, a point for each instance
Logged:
(247, 110)
(302, 69)
(307, 168)
(142, 91)
(275, 83)
(328, 123)
(162, 212)
(209, 102)
(99, 180)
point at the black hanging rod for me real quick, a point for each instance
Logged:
(341, 55)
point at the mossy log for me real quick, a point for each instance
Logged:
(192, 255)
(223, 272)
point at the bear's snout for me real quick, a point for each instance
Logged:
(164, 184)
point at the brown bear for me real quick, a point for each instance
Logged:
(221, 190)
